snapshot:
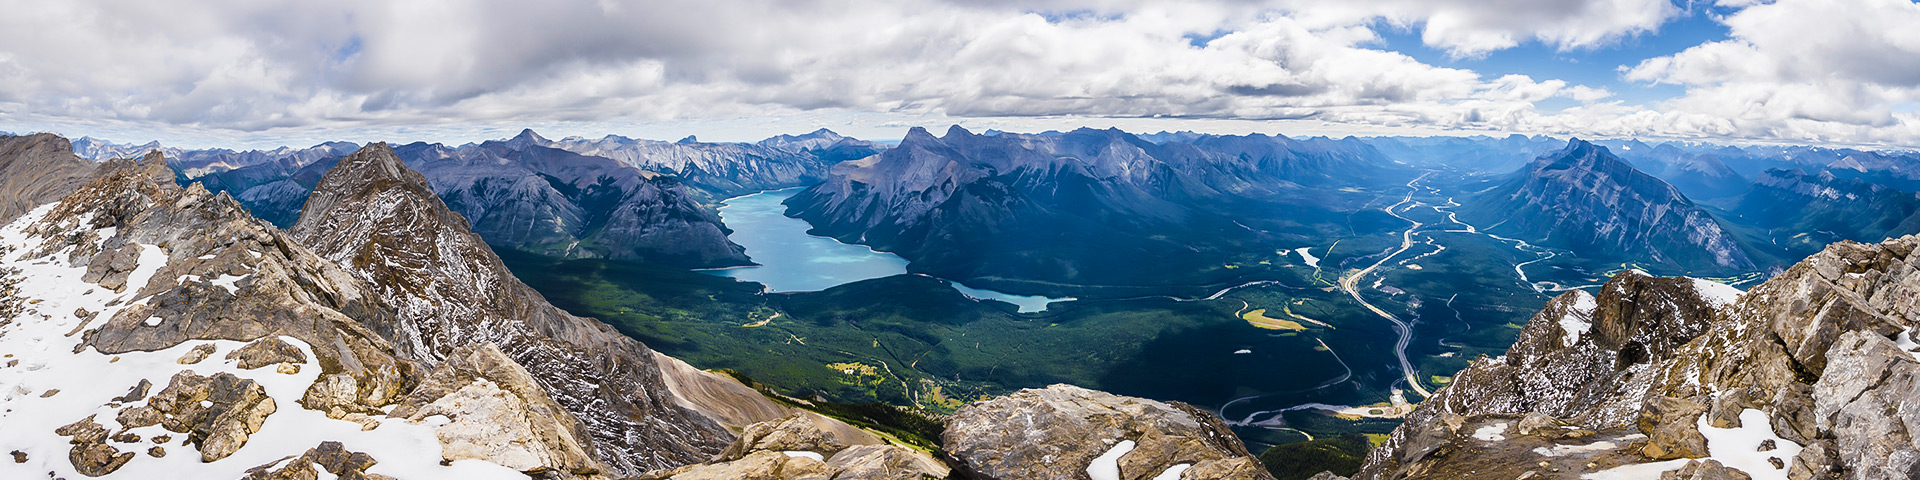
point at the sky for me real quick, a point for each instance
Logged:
(265, 73)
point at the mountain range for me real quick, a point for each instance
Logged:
(381, 339)
(1069, 208)
(1585, 199)
(542, 196)
(156, 329)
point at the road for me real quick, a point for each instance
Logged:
(1350, 283)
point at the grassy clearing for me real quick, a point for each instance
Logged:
(1258, 318)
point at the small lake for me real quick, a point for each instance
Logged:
(793, 261)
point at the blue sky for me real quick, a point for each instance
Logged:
(284, 72)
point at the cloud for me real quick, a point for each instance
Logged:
(279, 65)
(1824, 71)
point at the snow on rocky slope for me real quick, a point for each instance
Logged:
(122, 356)
(1807, 376)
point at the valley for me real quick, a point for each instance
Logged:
(1331, 303)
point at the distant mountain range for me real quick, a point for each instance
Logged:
(1003, 206)
(1080, 207)
(609, 198)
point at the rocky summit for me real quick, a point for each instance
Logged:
(1811, 375)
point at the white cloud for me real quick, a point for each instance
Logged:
(413, 66)
(1808, 70)
(1467, 28)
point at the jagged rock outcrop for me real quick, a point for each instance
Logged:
(330, 456)
(497, 412)
(1061, 430)
(1816, 365)
(381, 220)
(801, 447)
(1585, 199)
(40, 168)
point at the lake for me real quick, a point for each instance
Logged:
(793, 261)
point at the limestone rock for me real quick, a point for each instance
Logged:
(1672, 428)
(97, 459)
(135, 394)
(197, 354)
(91, 456)
(794, 433)
(883, 462)
(499, 414)
(1056, 432)
(1705, 470)
(36, 169)
(266, 351)
(217, 413)
(331, 456)
(1817, 348)
(761, 465)
(382, 222)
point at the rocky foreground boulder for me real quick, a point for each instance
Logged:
(1064, 432)
(1811, 375)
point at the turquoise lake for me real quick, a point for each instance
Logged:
(793, 261)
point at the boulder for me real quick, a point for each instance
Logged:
(267, 351)
(1056, 432)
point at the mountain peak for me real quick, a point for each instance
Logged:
(689, 140)
(527, 138)
(957, 130)
(917, 134)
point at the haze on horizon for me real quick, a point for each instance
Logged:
(259, 74)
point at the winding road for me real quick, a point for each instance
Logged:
(1350, 283)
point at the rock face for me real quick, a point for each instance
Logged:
(39, 168)
(1818, 362)
(499, 413)
(1585, 199)
(1058, 432)
(520, 194)
(381, 221)
(799, 448)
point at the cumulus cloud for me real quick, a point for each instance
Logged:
(1811, 70)
(273, 65)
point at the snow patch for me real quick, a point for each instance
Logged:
(1496, 432)
(1312, 261)
(88, 380)
(1600, 446)
(1173, 472)
(812, 455)
(1737, 448)
(1719, 294)
(153, 321)
(1242, 351)
(1906, 343)
(1577, 321)
(230, 282)
(1107, 465)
